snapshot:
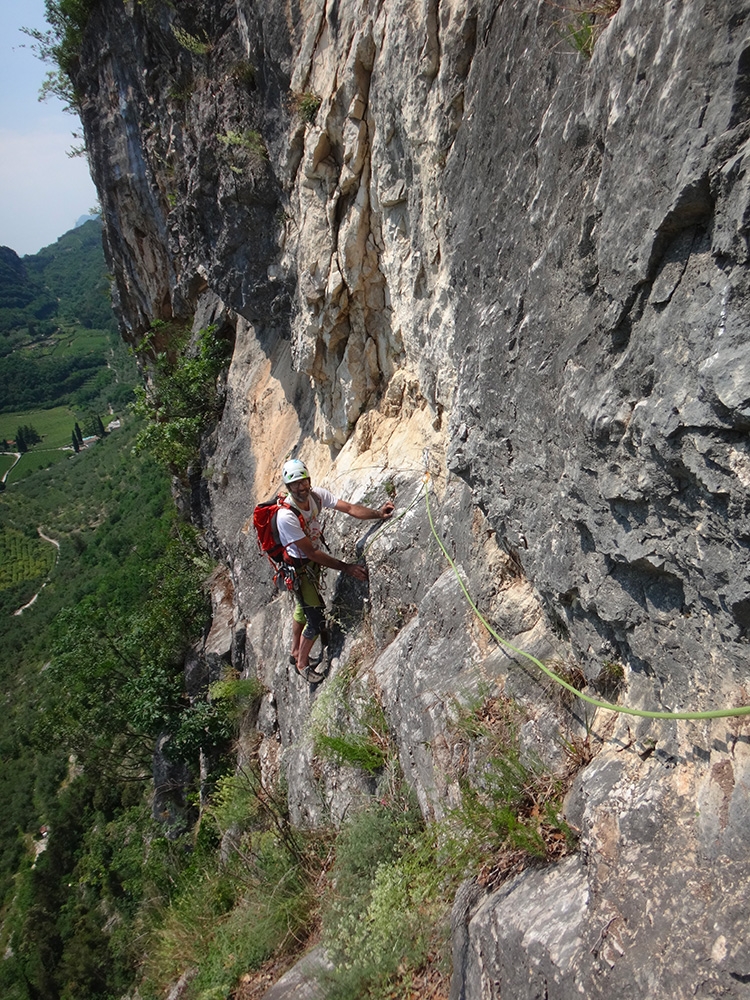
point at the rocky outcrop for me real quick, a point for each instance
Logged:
(443, 240)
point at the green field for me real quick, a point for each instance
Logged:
(36, 459)
(55, 425)
(56, 429)
(79, 341)
(69, 343)
(6, 461)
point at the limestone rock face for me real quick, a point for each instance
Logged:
(609, 386)
(445, 241)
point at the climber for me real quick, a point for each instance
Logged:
(303, 545)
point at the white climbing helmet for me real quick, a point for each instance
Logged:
(294, 470)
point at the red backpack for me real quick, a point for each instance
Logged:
(265, 517)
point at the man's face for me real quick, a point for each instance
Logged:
(300, 490)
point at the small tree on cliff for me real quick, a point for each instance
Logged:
(61, 45)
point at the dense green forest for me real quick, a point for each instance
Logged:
(100, 592)
(92, 674)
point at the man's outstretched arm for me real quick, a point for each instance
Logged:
(363, 513)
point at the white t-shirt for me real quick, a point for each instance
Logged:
(290, 529)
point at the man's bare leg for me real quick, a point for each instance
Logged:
(303, 655)
(296, 636)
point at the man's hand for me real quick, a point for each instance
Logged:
(386, 510)
(357, 570)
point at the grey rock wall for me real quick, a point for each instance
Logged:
(486, 256)
(610, 383)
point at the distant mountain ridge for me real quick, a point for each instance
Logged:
(56, 319)
(63, 283)
(20, 292)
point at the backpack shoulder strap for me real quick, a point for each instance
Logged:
(287, 500)
(318, 503)
(316, 506)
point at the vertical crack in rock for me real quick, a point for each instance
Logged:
(342, 315)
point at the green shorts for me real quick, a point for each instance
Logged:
(309, 605)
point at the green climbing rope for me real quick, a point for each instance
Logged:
(719, 713)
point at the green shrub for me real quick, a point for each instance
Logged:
(241, 693)
(249, 141)
(234, 802)
(181, 398)
(386, 912)
(306, 106)
(588, 19)
(393, 880)
(202, 726)
(61, 44)
(499, 810)
(580, 33)
(369, 837)
(510, 802)
(191, 43)
(181, 93)
(234, 910)
(243, 73)
(354, 749)
(611, 678)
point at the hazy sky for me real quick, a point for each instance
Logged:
(43, 192)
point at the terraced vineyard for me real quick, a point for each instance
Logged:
(23, 559)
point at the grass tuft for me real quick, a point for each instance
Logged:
(584, 21)
(306, 106)
(348, 725)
